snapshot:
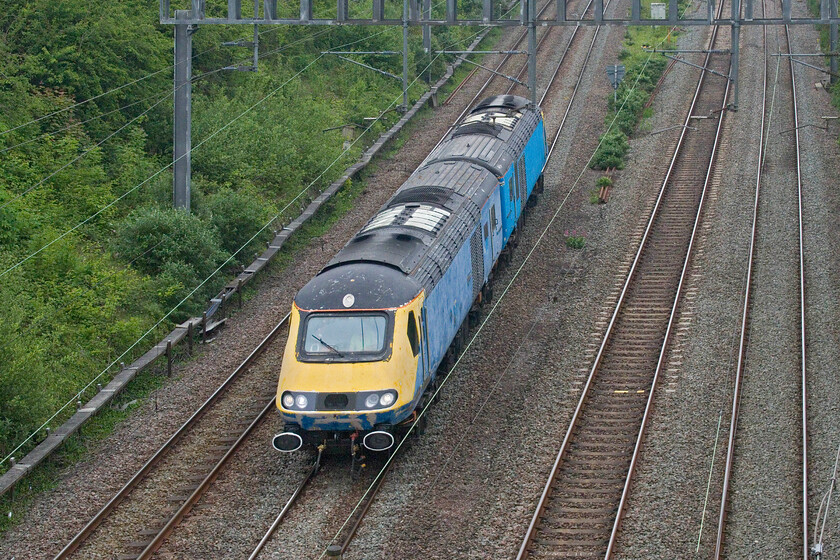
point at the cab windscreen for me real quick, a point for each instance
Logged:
(344, 334)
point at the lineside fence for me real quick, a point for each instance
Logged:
(215, 314)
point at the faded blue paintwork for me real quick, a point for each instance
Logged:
(450, 301)
(534, 156)
(448, 304)
(350, 421)
(494, 241)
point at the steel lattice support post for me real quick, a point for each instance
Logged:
(183, 111)
(736, 51)
(833, 43)
(532, 49)
(405, 56)
(427, 36)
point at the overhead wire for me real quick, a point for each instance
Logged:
(155, 96)
(133, 189)
(491, 312)
(168, 314)
(79, 393)
(87, 151)
(7, 341)
(80, 123)
(123, 127)
(158, 172)
(110, 91)
(146, 77)
(20, 332)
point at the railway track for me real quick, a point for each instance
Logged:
(194, 467)
(178, 497)
(348, 530)
(498, 73)
(579, 512)
(153, 535)
(755, 317)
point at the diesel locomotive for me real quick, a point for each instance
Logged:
(369, 332)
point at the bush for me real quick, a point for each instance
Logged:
(170, 244)
(603, 181)
(575, 240)
(237, 216)
(631, 103)
(642, 74)
(611, 151)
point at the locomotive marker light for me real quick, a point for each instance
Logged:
(288, 400)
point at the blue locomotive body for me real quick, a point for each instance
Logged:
(370, 331)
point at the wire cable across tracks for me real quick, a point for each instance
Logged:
(579, 512)
(167, 447)
(744, 340)
(157, 539)
(346, 534)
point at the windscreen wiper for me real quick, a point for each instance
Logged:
(321, 340)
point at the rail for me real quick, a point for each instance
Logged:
(743, 339)
(602, 483)
(170, 443)
(287, 507)
(208, 321)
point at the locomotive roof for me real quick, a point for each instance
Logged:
(373, 286)
(493, 134)
(418, 232)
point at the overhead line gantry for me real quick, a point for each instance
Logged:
(419, 13)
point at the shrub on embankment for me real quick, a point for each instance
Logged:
(626, 108)
(80, 302)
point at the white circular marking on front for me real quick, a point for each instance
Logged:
(348, 300)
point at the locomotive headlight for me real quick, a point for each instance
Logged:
(288, 400)
(301, 401)
(372, 400)
(387, 399)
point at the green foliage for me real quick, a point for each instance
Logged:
(631, 103)
(237, 216)
(575, 240)
(64, 314)
(45, 476)
(177, 246)
(611, 151)
(603, 181)
(825, 46)
(84, 299)
(627, 106)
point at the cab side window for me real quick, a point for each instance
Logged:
(413, 336)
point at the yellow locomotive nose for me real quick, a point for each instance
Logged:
(349, 371)
(370, 330)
